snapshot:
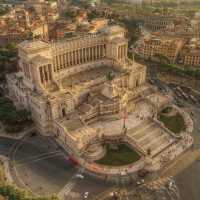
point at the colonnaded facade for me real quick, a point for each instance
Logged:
(56, 78)
(81, 89)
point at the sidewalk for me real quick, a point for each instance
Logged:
(181, 163)
(17, 136)
(6, 169)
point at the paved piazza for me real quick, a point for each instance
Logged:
(114, 125)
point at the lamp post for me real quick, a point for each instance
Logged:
(124, 103)
(125, 113)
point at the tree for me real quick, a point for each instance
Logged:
(24, 115)
(162, 58)
(13, 120)
(13, 193)
(11, 46)
(109, 76)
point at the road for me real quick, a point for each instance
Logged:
(41, 167)
(186, 169)
(6, 145)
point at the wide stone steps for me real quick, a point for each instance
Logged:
(138, 127)
(157, 142)
(140, 132)
(159, 150)
(95, 152)
(153, 134)
(145, 131)
(149, 135)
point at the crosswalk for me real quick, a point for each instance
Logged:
(67, 189)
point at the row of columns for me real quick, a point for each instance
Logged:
(79, 56)
(26, 69)
(45, 73)
(122, 52)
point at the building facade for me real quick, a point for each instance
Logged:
(158, 22)
(190, 55)
(153, 46)
(70, 83)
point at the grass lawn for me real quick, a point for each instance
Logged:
(167, 110)
(174, 123)
(124, 155)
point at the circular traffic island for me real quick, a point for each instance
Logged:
(119, 155)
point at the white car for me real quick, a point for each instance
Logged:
(86, 195)
(79, 176)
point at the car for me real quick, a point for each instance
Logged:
(138, 182)
(151, 81)
(142, 173)
(86, 194)
(73, 160)
(79, 176)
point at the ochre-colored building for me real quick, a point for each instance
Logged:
(190, 54)
(154, 45)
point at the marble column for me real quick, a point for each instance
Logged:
(41, 75)
(101, 51)
(96, 52)
(73, 57)
(89, 54)
(68, 59)
(84, 56)
(79, 56)
(65, 59)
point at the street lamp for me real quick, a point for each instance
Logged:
(124, 116)
(124, 103)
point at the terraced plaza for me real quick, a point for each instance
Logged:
(151, 145)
